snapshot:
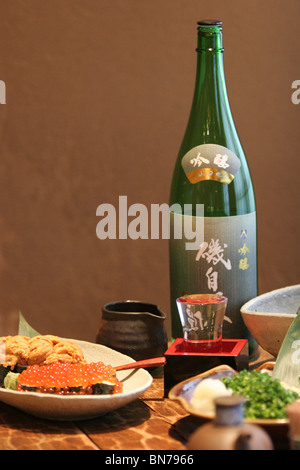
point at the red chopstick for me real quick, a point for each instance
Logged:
(154, 362)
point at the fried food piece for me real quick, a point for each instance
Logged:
(53, 339)
(40, 350)
(14, 350)
(65, 351)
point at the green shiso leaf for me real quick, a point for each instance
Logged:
(25, 329)
(287, 365)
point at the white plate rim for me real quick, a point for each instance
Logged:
(74, 405)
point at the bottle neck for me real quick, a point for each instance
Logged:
(210, 39)
(210, 79)
(210, 111)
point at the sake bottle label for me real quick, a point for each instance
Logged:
(210, 162)
(223, 263)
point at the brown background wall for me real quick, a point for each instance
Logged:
(98, 96)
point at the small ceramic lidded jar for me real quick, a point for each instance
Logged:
(228, 431)
(293, 412)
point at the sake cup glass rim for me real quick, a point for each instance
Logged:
(202, 299)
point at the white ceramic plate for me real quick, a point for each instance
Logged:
(183, 392)
(73, 407)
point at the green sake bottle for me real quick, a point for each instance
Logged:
(212, 199)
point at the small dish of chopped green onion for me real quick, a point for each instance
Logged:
(265, 397)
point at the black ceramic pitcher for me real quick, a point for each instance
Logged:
(133, 328)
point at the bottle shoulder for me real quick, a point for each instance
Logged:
(211, 167)
(219, 199)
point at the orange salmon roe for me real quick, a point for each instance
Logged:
(60, 377)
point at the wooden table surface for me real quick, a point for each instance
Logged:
(151, 422)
